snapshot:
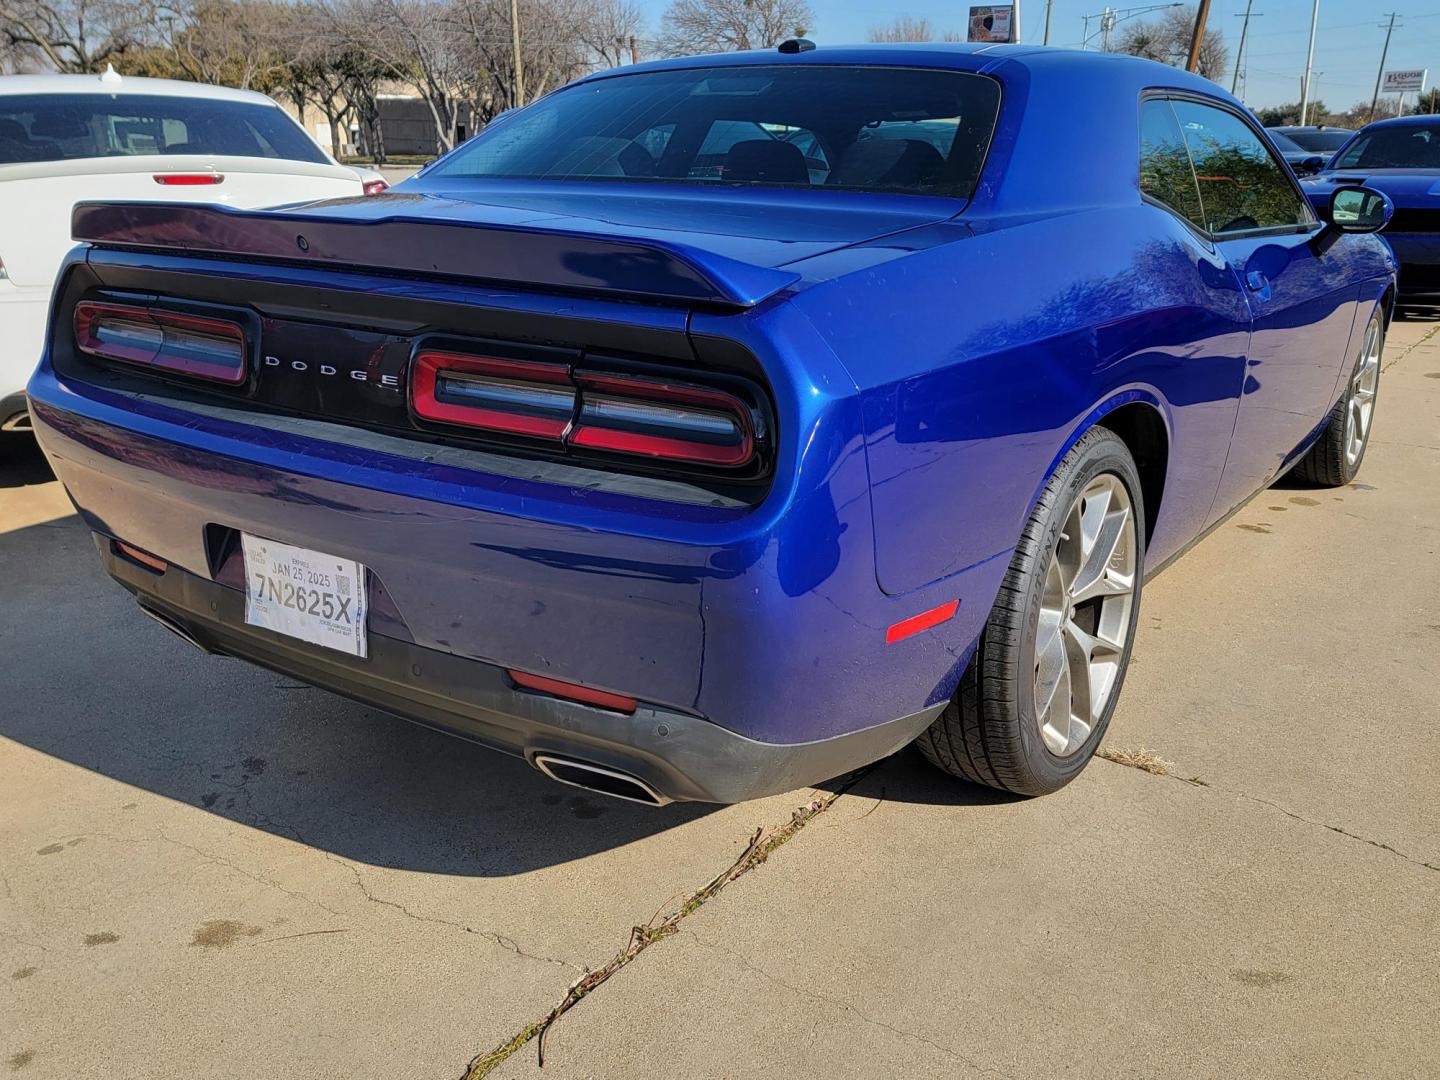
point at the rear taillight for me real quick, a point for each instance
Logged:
(187, 344)
(204, 179)
(637, 416)
(375, 187)
(515, 397)
(661, 419)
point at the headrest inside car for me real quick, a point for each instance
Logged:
(766, 161)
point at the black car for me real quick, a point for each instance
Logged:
(1304, 162)
(1318, 139)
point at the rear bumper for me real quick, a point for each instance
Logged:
(682, 757)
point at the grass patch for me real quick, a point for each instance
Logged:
(762, 845)
(1137, 757)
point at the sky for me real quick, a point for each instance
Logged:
(1347, 46)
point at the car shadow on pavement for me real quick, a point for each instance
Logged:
(21, 462)
(87, 680)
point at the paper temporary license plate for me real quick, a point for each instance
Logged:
(305, 594)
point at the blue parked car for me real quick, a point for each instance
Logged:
(1401, 158)
(695, 466)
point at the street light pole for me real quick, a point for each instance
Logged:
(1015, 22)
(1309, 64)
(1049, 7)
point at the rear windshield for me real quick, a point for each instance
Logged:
(1404, 146)
(858, 128)
(1320, 142)
(57, 127)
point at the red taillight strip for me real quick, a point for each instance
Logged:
(924, 621)
(189, 179)
(432, 367)
(90, 317)
(572, 691)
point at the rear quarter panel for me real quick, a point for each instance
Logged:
(982, 359)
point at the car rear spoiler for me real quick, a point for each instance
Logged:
(507, 255)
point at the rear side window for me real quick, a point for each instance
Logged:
(59, 127)
(1242, 187)
(861, 128)
(1166, 174)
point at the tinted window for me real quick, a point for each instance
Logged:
(1285, 144)
(1403, 146)
(1320, 142)
(1165, 171)
(877, 129)
(1242, 186)
(55, 127)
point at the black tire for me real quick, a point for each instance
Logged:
(1326, 463)
(989, 734)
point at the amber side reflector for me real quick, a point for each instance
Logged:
(135, 555)
(572, 691)
(924, 621)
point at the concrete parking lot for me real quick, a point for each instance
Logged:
(212, 871)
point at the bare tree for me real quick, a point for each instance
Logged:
(903, 28)
(1167, 40)
(75, 36)
(413, 42)
(249, 44)
(611, 30)
(702, 26)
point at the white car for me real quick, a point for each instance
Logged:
(68, 138)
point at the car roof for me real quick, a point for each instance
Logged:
(1405, 121)
(1310, 127)
(113, 83)
(1036, 60)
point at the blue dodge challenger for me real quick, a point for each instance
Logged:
(1401, 158)
(714, 426)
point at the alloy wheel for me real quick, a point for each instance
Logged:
(1085, 609)
(1364, 384)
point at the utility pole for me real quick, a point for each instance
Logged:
(1244, 31)
(1375, 101)
(1309, 64)
(1199, 36)
(1107, 24)
(1014, 22)
(1049, 7)
(519, 87)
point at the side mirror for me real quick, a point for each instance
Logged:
(1311, 165)
(1354, 210)
(1360, 210)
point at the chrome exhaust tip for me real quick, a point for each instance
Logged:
(597, 778)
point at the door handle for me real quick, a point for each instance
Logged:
(1257, 281)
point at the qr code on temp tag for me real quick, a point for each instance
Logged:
(342, 586)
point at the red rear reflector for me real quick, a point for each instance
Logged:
(187, 344)
(572, 691)
(144, 558)
(189, 179)
(924, 621)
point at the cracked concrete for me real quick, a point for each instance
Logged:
(378, 901)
